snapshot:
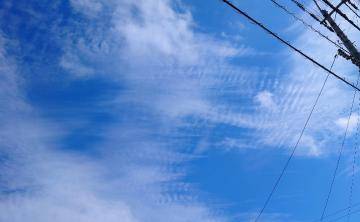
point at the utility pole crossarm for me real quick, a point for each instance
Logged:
(337, 7)
(337, 10)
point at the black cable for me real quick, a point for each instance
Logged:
(351, 9)
(340, 154)
(317, 5)
(307, 25)
(302, 7)
(288, 44)
(353, 5)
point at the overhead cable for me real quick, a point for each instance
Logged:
(351, 9)
(303, 8)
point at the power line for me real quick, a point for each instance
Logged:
(289, 45)
(317, 5)
(354, 162)
(351, 9)
(306, 24)
(303, 8)
(340, 154)
(352, 4)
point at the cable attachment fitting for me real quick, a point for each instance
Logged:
(324, 23)
(349, 57)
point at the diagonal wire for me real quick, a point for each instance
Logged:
(303, 8)
(316, 17)
(340, 154)
(317, 5)
(295, 146)
(354, 163)
(351, 9)
(353, 4)
(307, 25)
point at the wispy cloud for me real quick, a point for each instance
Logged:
(132, 177)
(265, 100)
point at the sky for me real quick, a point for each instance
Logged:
(170, 110)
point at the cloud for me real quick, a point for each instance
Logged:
(166, 34)
(89, 7)
(265, 100)
(38, 182)
(342, 122)
(73, 64)
(268, 217)
(231, 144)
(132, 176)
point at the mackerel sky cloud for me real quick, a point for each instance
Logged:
(165, 111)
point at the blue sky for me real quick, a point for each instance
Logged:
(167, 110)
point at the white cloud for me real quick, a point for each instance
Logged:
(267, 217)
(309, 146)
(342, 122)
(89, 7)
(128, 182)
(73, 64)
(38, 182)
(265, 100)
(235, 143)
